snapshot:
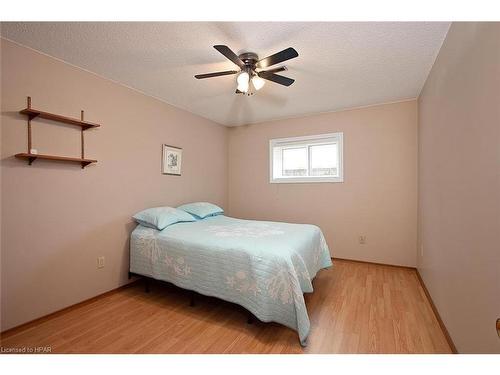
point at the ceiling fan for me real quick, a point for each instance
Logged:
(251, 69)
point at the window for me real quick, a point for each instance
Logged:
(316, 158)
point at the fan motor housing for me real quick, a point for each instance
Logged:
(249, 58)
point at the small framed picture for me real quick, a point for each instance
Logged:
(171, 160)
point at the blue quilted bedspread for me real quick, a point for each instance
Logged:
(263, 266)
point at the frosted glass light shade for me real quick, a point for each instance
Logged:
(243, 81)
(257, 82)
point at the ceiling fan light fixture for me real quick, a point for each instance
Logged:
(257, 82)
(243, 81)
(248, 63)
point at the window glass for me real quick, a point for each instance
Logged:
(324, 160)
(295, 161)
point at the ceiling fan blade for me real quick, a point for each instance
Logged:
(216, 74)
(226, 51)
(277, 58)
(285, 81)
(275, 70)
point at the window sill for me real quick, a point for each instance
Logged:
(305, 180)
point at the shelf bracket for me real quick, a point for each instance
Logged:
(29, 128)
(83, 142)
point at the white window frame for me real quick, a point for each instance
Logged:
(307, 141)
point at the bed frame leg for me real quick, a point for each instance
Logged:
(146, 285)
(191, 299)
(250, 318)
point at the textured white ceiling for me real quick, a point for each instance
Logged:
(340, 64)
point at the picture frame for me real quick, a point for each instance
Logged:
(171, 160)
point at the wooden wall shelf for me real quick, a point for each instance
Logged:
(32, 157)
(35, 113)
(32, 113)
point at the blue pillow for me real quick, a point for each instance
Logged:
(201, 209)
(161, 217)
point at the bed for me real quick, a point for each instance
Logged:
(263, 266)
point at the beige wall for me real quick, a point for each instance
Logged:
(459, 185)
(57, 218)
(378, 198)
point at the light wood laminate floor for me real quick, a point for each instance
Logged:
(355, 308)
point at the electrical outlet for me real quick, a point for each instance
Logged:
(362, 240)
(100, 262)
